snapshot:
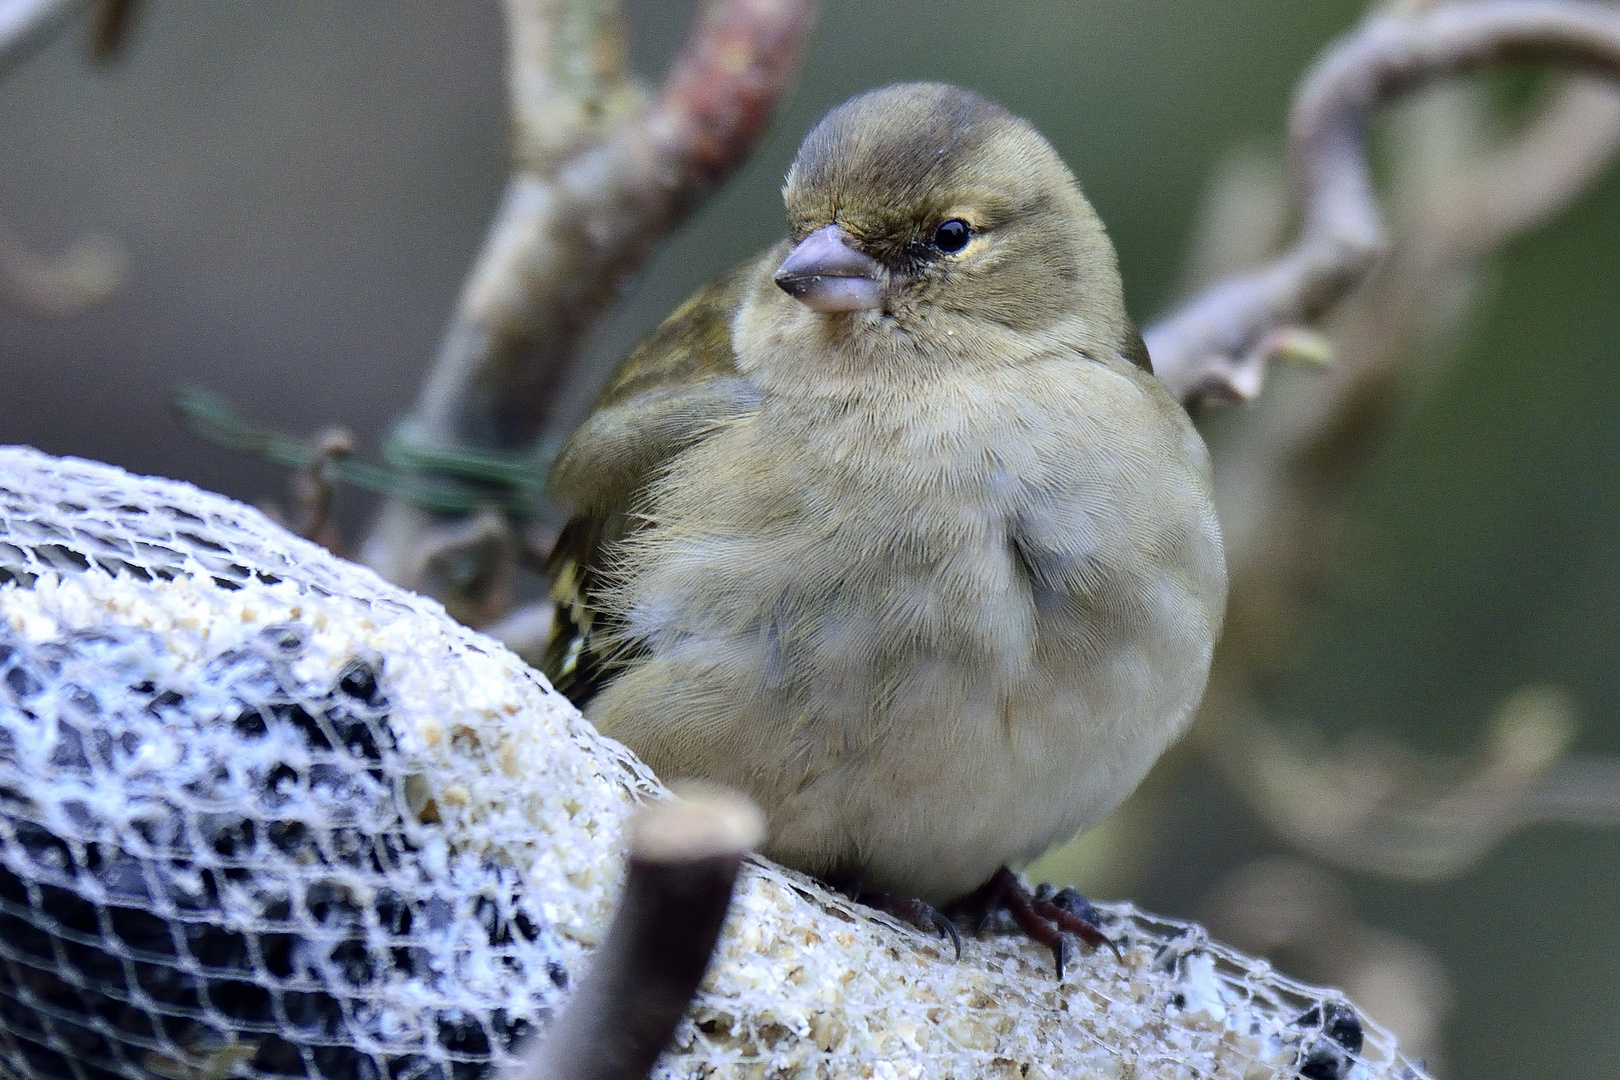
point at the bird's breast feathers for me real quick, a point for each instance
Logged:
(976, 585)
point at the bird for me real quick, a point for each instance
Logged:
(893, 528)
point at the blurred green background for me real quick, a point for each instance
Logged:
(300, 187)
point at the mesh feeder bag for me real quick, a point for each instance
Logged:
(263, 814)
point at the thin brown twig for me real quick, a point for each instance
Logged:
(684, 860)
(1213, 347)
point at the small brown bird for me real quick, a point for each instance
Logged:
(892, 527)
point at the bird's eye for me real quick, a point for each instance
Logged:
(952, 236)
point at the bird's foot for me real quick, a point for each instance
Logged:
(1046, 915)
(925, 917)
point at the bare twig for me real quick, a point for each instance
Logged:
(684, 859)
(564, 237)
(1217, 346)
(566, 76)
(1529, 179)
(1284, 476)
(593, 189)
(1375, 807)
(27, 24)
(314, 486)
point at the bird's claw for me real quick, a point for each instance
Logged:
(1046, 915)
(947, 928)
(923, 916)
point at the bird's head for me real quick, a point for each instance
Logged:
(927, 220)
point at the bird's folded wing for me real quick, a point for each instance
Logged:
(680, 384)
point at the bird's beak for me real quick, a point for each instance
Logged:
(825, 273)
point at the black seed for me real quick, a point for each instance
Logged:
(1330, 1058)
(23, 683)
(359, 681)
(287, 638)
(1342, 1025)
(250, 724)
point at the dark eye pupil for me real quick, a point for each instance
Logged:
(952, 236)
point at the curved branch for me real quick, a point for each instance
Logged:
(1284, 478)
(564, 238)
(1531, 177)
(1217, 345)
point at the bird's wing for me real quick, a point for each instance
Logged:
(677, 386)
(1136, 349)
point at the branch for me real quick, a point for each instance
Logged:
(567, 234)
(684, 859)
(1582, 790)
(1372, 806)
(1217, 346)
(1527, 181)
(315, 487)
(598, 179)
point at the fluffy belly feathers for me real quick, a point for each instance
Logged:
(942, 654)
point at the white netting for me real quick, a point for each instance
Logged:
(263, 814)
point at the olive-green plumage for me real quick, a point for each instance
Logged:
(891, 527)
